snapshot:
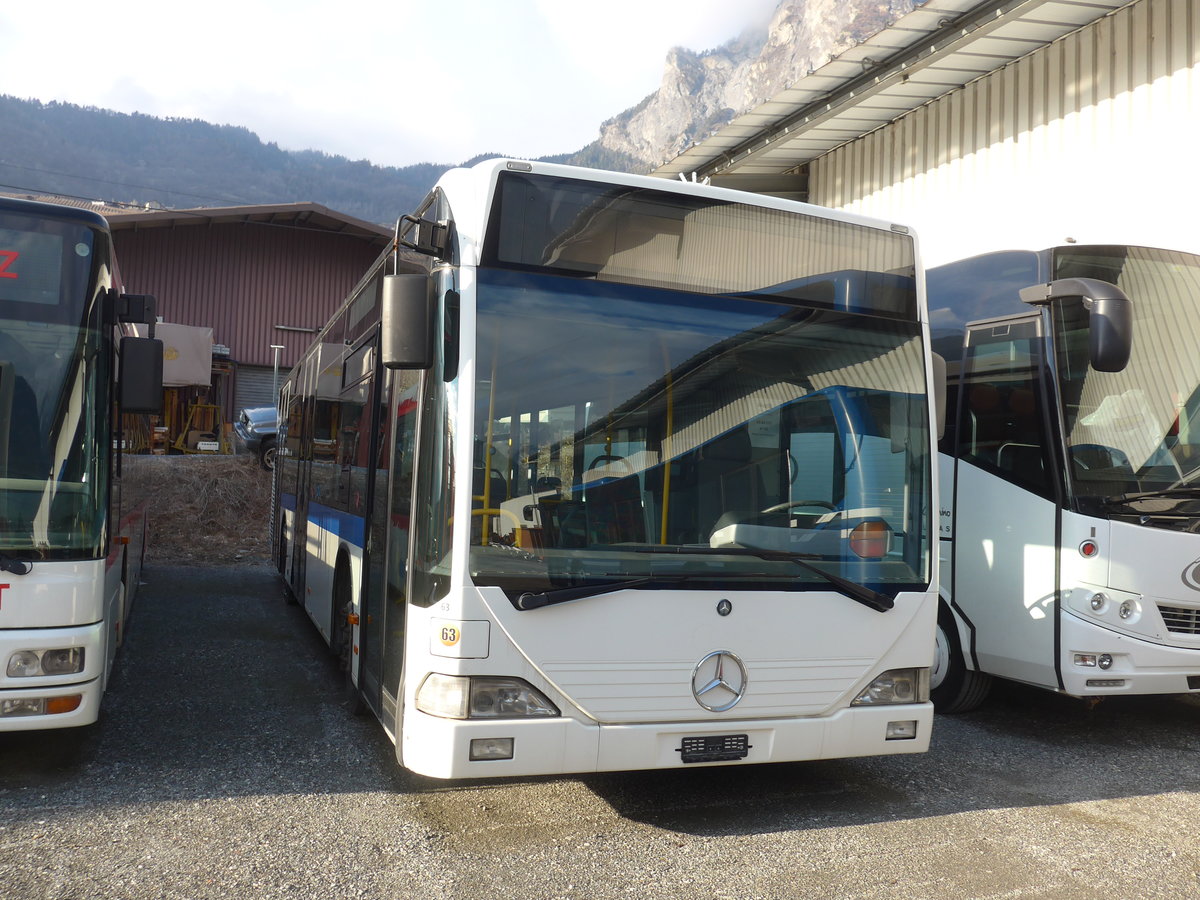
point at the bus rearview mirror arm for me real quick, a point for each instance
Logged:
(1110, 317)
(406, 322)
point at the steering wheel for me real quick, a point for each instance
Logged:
(793, 504)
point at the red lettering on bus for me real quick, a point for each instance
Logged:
(7, 258)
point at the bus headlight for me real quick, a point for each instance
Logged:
(481, 697)
(59, 661)
(895, 686)
(507, 698)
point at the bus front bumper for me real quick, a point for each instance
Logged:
(441, 748)
(1133, 666)
(36, 702)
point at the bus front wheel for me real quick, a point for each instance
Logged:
(952, 686)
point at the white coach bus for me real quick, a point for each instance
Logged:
(71, 543)
(604, 472)
(1070, 472)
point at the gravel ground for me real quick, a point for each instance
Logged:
(227, 766)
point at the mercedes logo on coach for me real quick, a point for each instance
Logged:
(719, 681)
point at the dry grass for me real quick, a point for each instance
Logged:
(204, 509)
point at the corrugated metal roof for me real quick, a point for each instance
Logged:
(103, 207)
(936, 48)
(297, 215)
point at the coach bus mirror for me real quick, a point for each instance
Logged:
(406, 322)
(1110, 324)
(1110, 317)
(140, 377)
(938, 394)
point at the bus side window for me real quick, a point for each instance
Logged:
(1002, 427)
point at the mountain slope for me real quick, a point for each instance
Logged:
(100, 154)
(60, 148)
(702, 91)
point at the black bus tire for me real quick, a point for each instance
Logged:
(952, 686)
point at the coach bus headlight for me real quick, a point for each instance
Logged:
(66, 661)
(507, 698)
(40, 706)
(24, 664)
(481, 697)
(895, 686)
(31, 663)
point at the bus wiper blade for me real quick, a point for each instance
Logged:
(852, 589)
(1182, 493)
(15, 566)
(530, 600)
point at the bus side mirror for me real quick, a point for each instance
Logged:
(1110, 317)
(938, 394)
(406, 317)
(140, 375)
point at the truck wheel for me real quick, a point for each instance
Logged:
(267, 458)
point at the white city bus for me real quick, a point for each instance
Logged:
(1070, 472)
(70, 544)
(605, 472)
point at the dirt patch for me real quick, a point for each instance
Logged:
(204, 509)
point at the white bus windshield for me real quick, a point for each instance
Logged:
(1136, 431)
(52, 448)
(605, 232)
(613, 419)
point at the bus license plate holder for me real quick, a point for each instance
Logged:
(714, 748)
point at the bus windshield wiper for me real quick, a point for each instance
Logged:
(852, 589)
(531, 600)
(15, 566)
(1180, 492)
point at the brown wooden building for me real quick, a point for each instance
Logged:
(257, 275)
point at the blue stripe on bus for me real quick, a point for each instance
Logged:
(287, 501)
(350, 528)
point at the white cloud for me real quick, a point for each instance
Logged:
(393, 82)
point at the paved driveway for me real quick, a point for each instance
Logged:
(226, 766)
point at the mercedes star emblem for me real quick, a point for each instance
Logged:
(719, 681)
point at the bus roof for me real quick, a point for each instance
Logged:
(54, 211)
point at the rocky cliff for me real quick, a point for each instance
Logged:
(702, 91)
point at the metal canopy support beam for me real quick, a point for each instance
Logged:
(987, 15)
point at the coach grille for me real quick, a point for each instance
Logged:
(1180, 619)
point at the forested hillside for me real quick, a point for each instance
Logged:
(99, 154)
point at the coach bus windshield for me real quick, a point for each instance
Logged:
(617, 427)
(53, 447)
(684, 389)
(1135, 432)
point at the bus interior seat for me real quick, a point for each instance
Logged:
(1020, 459)
(24, 452)
(727, 477)
(614, 507)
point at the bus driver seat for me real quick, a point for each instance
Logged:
(22, 451)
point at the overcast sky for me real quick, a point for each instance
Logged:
(396, 82)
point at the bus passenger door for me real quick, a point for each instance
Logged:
(385, 598)
(294, 487)
(1005, 513)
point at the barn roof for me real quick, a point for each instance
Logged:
(304, 215)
